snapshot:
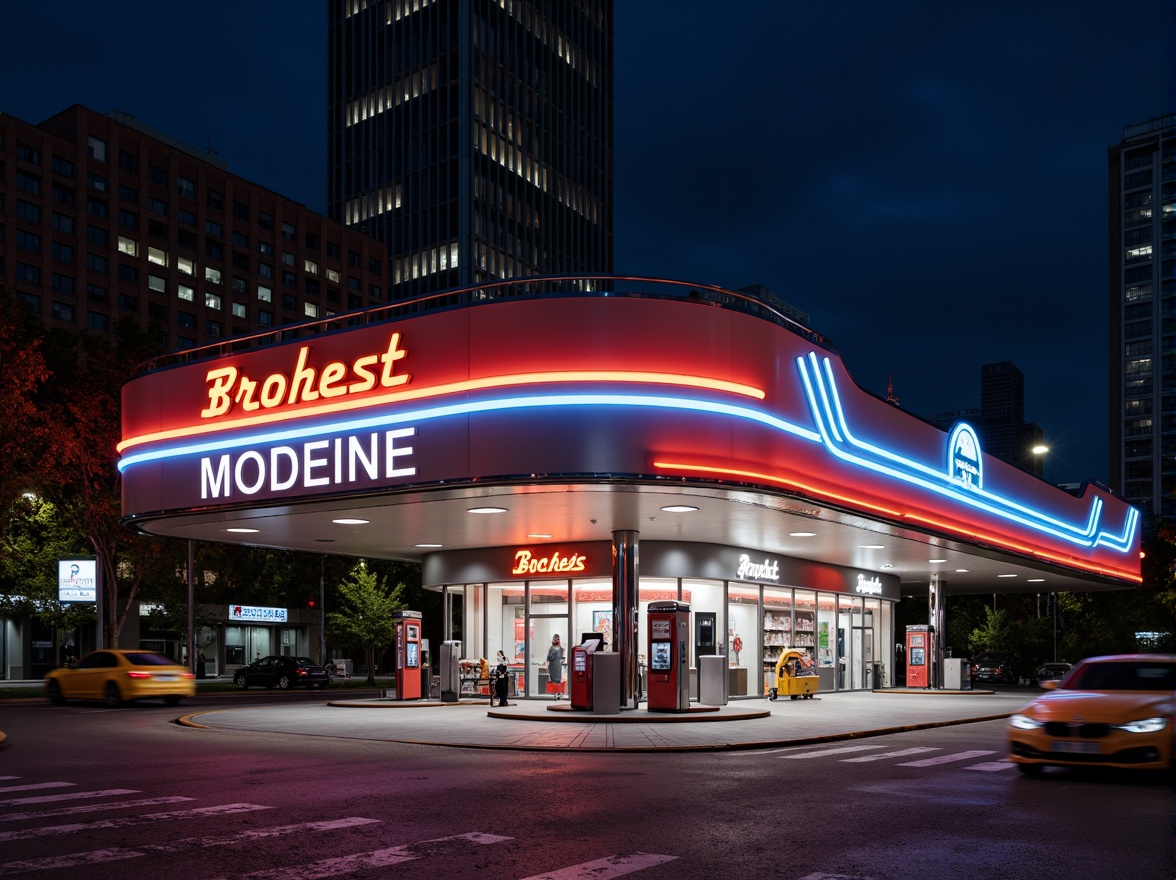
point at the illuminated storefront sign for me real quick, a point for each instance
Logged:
(768, 570)
(871, 586)
(529, 563)
(77, 580)
(257, 614)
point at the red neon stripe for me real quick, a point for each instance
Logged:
(770, 478)
(1066, 561)
(557, 377)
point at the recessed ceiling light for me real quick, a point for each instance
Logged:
(802, 534)
(350, 522)
(871, 546)
(961, 571)
(538, 535)
(887, 565)
(487, 510)
(679, 508)
(936, 561)
(1006, 575)
(1036, 580)
(425, 546)
(243, 531)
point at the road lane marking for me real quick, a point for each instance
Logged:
(94, 857)
(66, 796)
(947, 759)
(992, 766)
(38, 786)
(610, 866)
(901, 753)
(820, 875)
(94, 808)
(52, 830)
(841, 750)
(379, 858)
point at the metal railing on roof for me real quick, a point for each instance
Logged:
(543, 286)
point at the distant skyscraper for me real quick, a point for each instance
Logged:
(1142, 317)
(475, 139)
(1000, 420)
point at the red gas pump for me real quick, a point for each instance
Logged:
(581, 696)
(408, 654)
(669, 670)
(919, 655)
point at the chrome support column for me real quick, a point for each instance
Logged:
(625, 635)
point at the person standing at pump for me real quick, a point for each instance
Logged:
(501, 670)
(555, 661)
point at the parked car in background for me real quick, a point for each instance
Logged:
(282, 672)
(995, 667)
(116, 676)
(1113, 711)
(1052, 671)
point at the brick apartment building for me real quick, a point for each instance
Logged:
(101, 217)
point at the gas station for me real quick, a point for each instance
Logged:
(677, 474)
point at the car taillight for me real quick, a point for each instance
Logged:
(134, 674)
(301, 671)
(189, 675)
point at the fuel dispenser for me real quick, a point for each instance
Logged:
(408, 654)
(919, 655)
(669, 667)
(581, 696)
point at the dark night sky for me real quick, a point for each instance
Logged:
(928, 180)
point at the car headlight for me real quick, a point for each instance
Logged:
(1144, 725)
(1024, 722)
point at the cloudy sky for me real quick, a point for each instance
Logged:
(926, 179)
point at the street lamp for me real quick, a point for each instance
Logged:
(1039, 451)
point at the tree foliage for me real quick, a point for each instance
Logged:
(364, 616)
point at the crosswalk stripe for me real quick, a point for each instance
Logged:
(610, 866)
(379, 858)
(38, 786)
(901, 753)
(94, 808)
(51, 830)
(94, 857)
(67, 796)
(947, 759)
(837, 751)
(992, 766)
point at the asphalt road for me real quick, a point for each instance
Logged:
(94, 793)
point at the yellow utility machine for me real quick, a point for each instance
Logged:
(793, 678)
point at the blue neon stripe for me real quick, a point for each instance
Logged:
(467, 408)
(940, 484)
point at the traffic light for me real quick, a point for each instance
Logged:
(310, 603)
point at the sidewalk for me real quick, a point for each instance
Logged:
(539, 725)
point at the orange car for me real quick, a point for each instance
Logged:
(115, 676)
(1114, 711)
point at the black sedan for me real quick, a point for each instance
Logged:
(282, 672)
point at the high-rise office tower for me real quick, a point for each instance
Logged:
(1142, 315)
(473, 137)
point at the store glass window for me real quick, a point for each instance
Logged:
(593, 611)
(743, 637)
(777, 630)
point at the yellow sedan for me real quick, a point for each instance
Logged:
(1114, 711)
(116, 676)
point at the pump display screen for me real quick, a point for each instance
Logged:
(412, 655)
(917, 657)
(663, 656)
